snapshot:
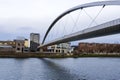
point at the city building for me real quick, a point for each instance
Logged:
(98, 48)
(60, 48)
(19, 45)
(6, 48)
(26, 43)
(74, 49)
(8, 43)
(34, 41)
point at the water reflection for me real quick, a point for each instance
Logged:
(58, 72)
(60, 69)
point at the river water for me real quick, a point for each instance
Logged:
(60, 69)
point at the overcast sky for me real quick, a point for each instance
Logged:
(21, 17)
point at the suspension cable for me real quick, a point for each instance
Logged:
(89, 16)
(58, 31)
(64, 30)
(78, 16)
(96, 16)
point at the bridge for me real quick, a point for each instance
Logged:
(108, 28)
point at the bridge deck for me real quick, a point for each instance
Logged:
(108, 28)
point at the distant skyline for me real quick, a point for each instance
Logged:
(22, 17)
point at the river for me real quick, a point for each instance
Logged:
(60, 69)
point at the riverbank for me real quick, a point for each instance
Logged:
(52, 55)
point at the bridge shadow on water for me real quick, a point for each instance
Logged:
(56, 71)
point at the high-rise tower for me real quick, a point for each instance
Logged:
(34, 41)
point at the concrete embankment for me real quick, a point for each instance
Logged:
(32, 55)
(51, 55)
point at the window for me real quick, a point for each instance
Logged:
(10, 42)
(62, 51)
(13, 42)
(5, 43)
(59, 50)
(18, 44)
(56, 50)
(18, 48)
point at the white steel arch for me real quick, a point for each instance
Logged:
(92, 4)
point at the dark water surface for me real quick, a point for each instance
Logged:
(60, 69)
